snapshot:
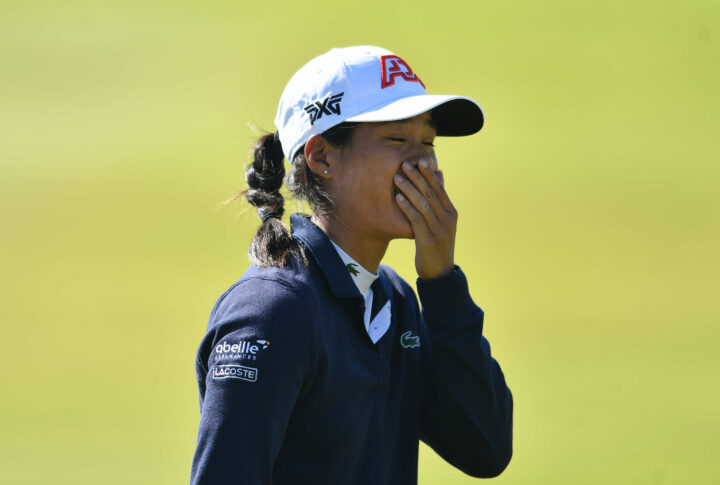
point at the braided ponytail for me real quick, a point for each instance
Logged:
(272, 244)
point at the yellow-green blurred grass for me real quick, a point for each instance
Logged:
(588, 223)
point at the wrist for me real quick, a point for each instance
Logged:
(446, 299)
(436, 273)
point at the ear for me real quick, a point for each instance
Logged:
(319, 154)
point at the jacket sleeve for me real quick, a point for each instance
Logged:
(466, 412)
(251, 367)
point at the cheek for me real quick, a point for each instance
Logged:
(373, 178)
(373, 194)
(364, 192)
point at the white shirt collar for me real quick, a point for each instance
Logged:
(363, 279)
(360, 276)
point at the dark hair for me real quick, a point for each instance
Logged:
(273, 244)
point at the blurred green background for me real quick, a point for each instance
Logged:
(588, 220)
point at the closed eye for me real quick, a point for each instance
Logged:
(398, 139)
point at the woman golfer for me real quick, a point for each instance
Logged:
(319, 366)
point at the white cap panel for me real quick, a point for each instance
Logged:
(360, 83)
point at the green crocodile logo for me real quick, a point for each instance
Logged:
(352, 269)
(409, 341)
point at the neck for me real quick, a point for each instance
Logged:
(365, 250)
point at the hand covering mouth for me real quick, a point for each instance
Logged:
(432, 160)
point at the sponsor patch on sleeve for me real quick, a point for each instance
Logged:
(245, 350)
(234, 371)
(237, 358)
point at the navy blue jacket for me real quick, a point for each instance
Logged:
(293, 391)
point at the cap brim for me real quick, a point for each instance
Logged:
(453, 115)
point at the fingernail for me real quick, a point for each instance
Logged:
(407, 166)
(400, 197)
(423, 164)
(399, 178)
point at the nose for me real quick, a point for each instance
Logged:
(429, 157)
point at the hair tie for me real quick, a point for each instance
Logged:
(267, 213)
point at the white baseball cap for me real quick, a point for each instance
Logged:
(364, 84)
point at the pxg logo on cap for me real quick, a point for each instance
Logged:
(329, 106)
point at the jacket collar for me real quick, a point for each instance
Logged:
(339, 280)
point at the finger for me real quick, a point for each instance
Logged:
(419, 203)
(437, 186)
(417, 221)
(425, 179)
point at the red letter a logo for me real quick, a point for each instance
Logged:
(392, 67)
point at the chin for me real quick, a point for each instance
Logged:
(402, 229)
